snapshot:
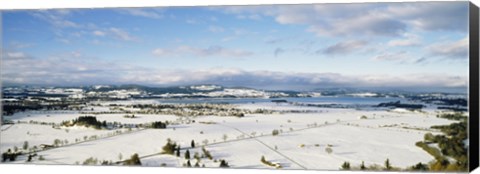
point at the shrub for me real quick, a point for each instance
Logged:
(345, 166)
(431, 150)
(134, 160)
(275, 132)
(169, 148)
(90, 161)
(224, 164)
(207, 153)
(429, 137)
(56, 142)
(196, 164)
(196, 155)
(329, 150)
(419, 166)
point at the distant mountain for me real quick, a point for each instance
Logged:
(201, 91)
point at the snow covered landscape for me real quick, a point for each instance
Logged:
(289, 135)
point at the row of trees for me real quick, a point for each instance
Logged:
(86, 121)
(159, 125)
(451, 144)
(172, 148)
(9, 155)
(386, 167)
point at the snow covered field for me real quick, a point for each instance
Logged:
(301, 143)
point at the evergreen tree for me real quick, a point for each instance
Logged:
(362, 167)
(420, 166)
(197, 165)
(388, 165)
(187, 154)
(134, 160)
(25, 145)
(346, 166)
(4, 156)
(192, 144)
(178, 152)
(188, 164)
(169, 148)
(224, 163)
(29, 158)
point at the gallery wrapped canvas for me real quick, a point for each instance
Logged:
(386, 86)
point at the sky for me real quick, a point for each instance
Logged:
(308, 46)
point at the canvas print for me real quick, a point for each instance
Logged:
(355, 86)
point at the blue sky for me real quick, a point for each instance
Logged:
(422, 44)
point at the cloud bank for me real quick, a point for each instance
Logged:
(201, 52)
(370, 19)
(69, 69)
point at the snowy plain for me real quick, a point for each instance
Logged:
(301, 143)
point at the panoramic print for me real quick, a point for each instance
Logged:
(360, 86)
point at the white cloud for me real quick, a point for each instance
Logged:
(344, 47)
(275, 40)
(63, 40)
(148, 13)
(369, 23)
(70, 68)
(296, 81)
(66, 70)
(60, 21)
(251, 17)
(20, 45)
(401, 56)
(56, 18)
(453, 50)
(202, 52)
(15, 55)
(191, 21)
(76, 54)
(408, 40)
(161, 52)
(122, 34)
(365, 19)
(433, 15)
(98, 33)
(216, 29)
